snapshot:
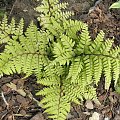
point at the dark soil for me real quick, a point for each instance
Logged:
(18, 100)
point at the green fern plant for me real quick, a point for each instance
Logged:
(62, 56)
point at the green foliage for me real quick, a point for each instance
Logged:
(115, 5)
(61, 55)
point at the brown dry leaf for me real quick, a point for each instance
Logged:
(13, 86)
(89, 104)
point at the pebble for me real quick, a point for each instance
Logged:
(106, 118)
(89, 104)
(95, 116)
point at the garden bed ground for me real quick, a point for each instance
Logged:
(18, 100)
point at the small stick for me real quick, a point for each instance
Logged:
(20, 115)
(3, 97)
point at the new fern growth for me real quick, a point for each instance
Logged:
(61, 55)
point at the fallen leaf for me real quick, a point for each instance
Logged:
(106, 118)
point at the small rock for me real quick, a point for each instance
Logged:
(95, 116)
(89, 104)
(106, 118)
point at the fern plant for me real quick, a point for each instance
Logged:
(62, 56)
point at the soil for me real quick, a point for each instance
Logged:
(18, 100)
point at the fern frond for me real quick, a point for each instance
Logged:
(49, 81)
(96, 44)
(52, 13)
(54, 103)
(107, 71)
(84, 40)
(88, 68)
(52, 70)
(67, 43)
(12, 27)
(63, 50)
(72, 27)
(90, 93)
(75, 69)
(115, 64)
(115, 52)
(54, 27)
(24, 55)
(106, 46)
(75, 92)
(5, 30)
(19, 28)
(97, 68)
(4, 23)
(72, 91)
(10, 31)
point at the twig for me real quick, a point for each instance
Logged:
(20, 115)
(32, 98)
(3, 97)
